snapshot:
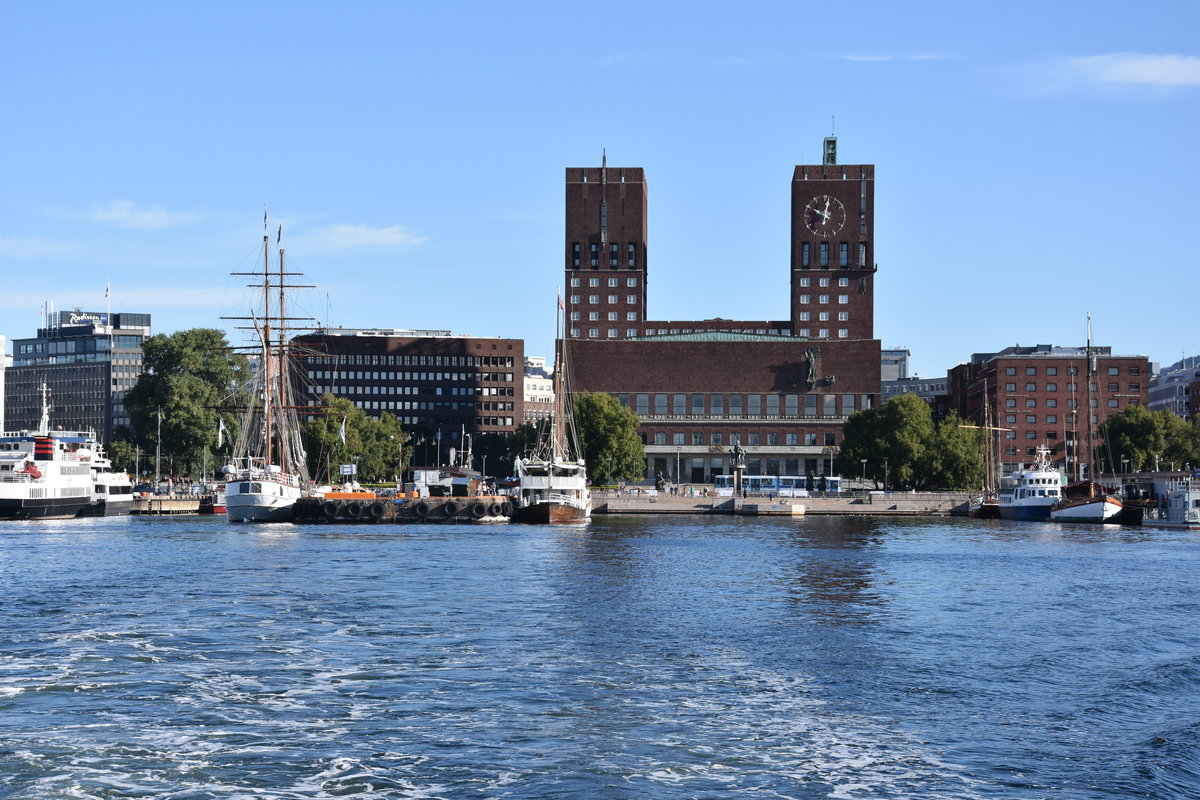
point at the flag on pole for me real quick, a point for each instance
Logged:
(279, 236)
(342, 431)
(107, 284)
(220, 431)
(561, 307)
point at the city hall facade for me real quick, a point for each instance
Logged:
(780, 388)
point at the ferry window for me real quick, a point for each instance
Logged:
(593, 281)
(804, 282)
(824, 254)
(1051, 419)
(844, 254)
(1112, 387)
(593, 298)
(1031, 418)
(677, 438)
(631, 281)
(1010, 387)
(660, 404)
(698, 438)
(1113, 403)
(660, 438)
(612, 282)
(1052, 402)
(716, 403)
(1051, 387)
(804, 254)
(643, 404)
(1030, 403)
(717, 439)
(1010, 403)
(754, 439)
(1135, 370)
(823, 282)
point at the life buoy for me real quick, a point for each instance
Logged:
(329, 509)
(377, 511)
(494, 510)
(478, 510)
(422, 509)
(354, 510)
(450, 509)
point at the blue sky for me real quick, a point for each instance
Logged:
(1035, 161)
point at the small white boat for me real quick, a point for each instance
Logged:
(1086, 501)
(44, 474)
(1029, 493)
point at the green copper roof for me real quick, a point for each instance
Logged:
(712, 336)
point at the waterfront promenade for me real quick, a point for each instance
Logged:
(931, 504)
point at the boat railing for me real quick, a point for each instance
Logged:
(15, 477)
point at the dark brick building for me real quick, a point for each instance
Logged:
(1036, 395)
(781, 388)
(424, 378)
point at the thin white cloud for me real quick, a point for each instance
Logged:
(124, 214)
(1111, 72)
(36, 247)
(345, 236)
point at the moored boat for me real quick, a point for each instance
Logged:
(552, 483)
(44, 474)
(1028, 494)
(268, 472)
(112, 492)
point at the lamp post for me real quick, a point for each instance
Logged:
(885, 474)
(863, 481)
(1125, 465)
(677, 466)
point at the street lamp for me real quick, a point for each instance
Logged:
(864, 472)
(1125, 465)
(677, 466)
(885, 474)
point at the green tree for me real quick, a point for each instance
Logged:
(902, 446)
(376, 445)
(956, 458)
(1151, 439)
(523, 440)
(189, 376)
(608, 435)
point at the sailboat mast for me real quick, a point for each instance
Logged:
(266, 352)
(284, 450)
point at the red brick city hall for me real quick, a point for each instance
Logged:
(782, 389)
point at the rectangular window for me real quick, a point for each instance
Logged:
(1052, 402)
(1031, 418)
(1112, 387)
(1114, 371)
(631, 299)
(612, 316)
(612, 255)
(843, 299)
(804, 255)
(1010, 370)
(613, 333)
(1031, 387)
(574, 282)
(594, 332)
(1031, 370)
(1113, 403)
(697, 405)
(823, 282)
(679, 406)
(824, 254)
(660, 404)
(574, 316)
(844, 254)
(810, 440)
(612, 282)
(804, 298)
(823, 333)
(803, 334)
(631, 332)
(595, 255)
(823, 298)
(772, 440)
(593, 316)
(754, 405)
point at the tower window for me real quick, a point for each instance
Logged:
(575, 254)
(862, 254)
(804, 254)
(824, 254)
(844, 254)
(632, 254)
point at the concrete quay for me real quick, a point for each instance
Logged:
(940, 504)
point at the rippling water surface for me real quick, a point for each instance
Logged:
(672, 657)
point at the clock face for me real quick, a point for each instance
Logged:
(824, 215)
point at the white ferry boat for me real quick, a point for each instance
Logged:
(112, 492)
(1029, 493)
(44, 475)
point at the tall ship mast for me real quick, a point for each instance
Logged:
(268, 472)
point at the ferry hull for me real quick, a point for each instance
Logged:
(248, 508)
(45, 508)
(1025, 512)
(550, 514)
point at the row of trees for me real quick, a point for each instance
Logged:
(1151, 440)
(196, 381)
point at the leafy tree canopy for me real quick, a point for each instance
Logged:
(378, 446)
(1151, 439)
(608, 435)
(189, 377)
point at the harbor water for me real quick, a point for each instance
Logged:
(637, 657)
